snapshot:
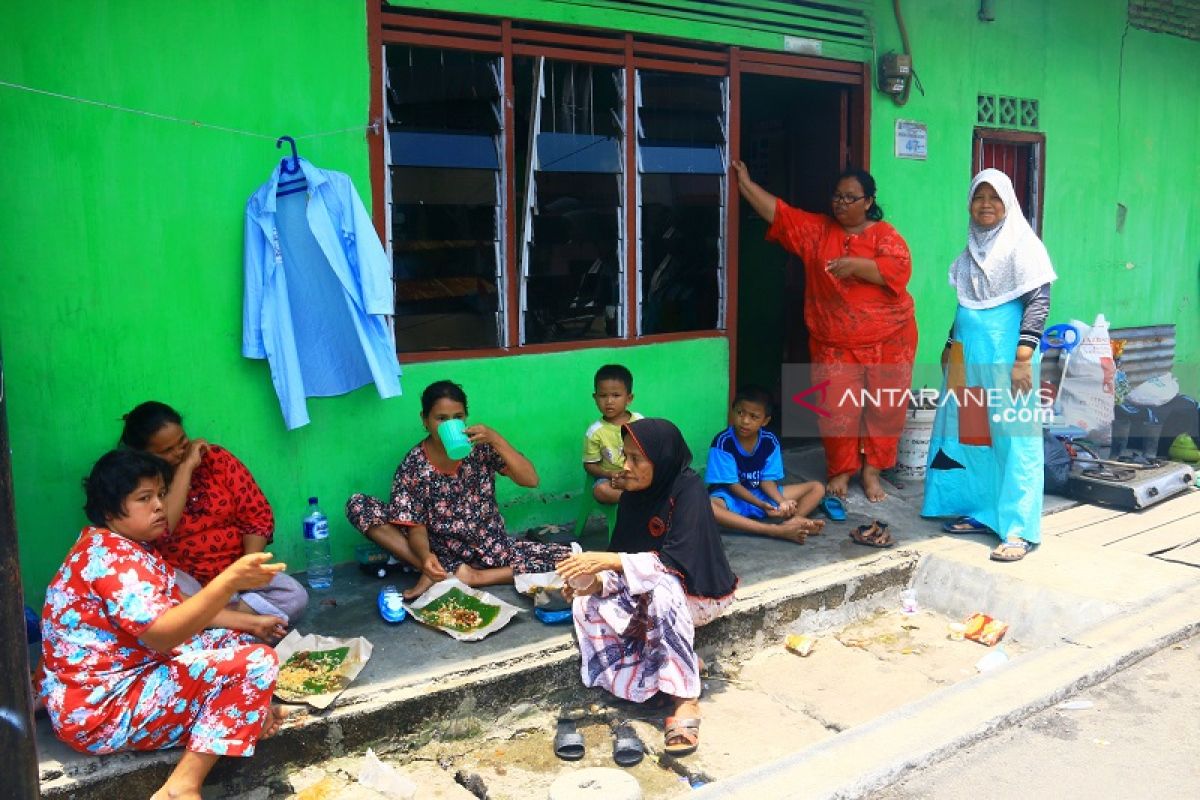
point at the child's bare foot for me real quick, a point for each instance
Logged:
(838, 485)
(813, 527)
(422, 585)
(871, 485)
(794, 529)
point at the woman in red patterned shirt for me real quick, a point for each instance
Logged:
(215, 511)
(862, 330)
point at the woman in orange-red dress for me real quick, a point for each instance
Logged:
(863, 333)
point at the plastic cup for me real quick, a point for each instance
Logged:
(453, 433)
(956, 631)
(581, 581)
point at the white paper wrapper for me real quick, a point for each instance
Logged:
(507, 611)
(356, 659)
(533, 582)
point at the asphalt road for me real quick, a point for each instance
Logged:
(1139, 739)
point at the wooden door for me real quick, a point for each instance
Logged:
(1020, 156)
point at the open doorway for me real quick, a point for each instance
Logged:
(794, 140)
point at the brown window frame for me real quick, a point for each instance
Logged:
(508, 38)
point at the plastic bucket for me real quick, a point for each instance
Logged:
(912, 450)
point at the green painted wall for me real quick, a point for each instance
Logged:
(1121, 113)
(121, 275)
(122, 271)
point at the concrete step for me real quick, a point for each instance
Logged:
(489, 685)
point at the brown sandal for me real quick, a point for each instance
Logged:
(687, 729)
(873, 535)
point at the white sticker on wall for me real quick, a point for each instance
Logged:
(911, 139)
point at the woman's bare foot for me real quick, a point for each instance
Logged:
(422, 585)
(168, 793)
(871, 484)
(275, 719)
(838, 485)
(688, 709)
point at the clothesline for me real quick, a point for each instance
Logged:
(168, 118)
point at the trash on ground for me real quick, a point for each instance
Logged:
(1075, 705)
(994, 659)
(985, 630)
(908, 601)
(956, 631)
(800, 644)
(385, 779)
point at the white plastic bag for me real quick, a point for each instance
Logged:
(1155, 392)
(1087, 392)
(383, 778)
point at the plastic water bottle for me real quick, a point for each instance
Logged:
(316, 547)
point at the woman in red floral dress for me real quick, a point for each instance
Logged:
(215, 511)
(442, 517)
(129, 663)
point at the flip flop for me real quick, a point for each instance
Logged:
(965, 525)
(568, 741)
(627, 747)
(833, 508)
(873, 535)
(1011, 551)
(687, 729)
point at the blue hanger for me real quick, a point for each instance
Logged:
(294, 167)
(294, 185)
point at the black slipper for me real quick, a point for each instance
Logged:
(627, 747)
(568, 741)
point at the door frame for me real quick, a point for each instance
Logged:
(1037, 169)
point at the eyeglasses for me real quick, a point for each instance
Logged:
(846, 199)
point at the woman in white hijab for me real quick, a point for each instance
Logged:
(985, 465)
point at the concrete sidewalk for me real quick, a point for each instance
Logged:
(418, 677)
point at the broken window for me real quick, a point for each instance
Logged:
(681, 139)
(570, 190)
(446, 174)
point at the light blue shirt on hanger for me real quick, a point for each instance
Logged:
(318, 292)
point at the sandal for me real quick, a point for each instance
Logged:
(568, 741)
(873, 535)
(833, 508)
(965, 525)
(627, 747)
(1012, 550)
(687, 729)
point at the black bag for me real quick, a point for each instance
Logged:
(1058, 464)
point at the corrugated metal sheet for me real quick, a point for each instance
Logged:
(1149, 351)
(845, 22)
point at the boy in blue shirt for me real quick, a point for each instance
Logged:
(745, 464)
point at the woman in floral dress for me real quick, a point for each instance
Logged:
(442, 517)
(666, 574)
(129, 663)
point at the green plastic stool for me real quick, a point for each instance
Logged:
(588, 505)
